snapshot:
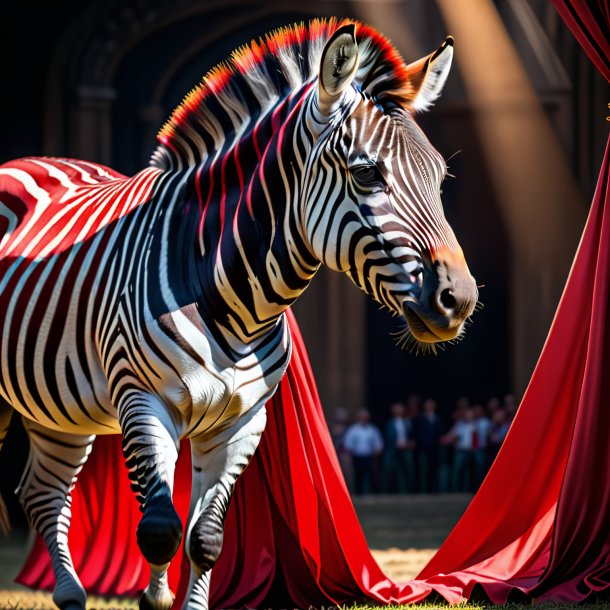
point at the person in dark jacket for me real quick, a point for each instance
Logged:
(428, 430)
(398, 458)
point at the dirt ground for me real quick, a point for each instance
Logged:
(403, 533)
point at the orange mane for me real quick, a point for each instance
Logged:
(305, 42)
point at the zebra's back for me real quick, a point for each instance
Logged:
(58, 218)
(47, 205)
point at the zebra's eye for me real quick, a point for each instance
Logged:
(368, 175)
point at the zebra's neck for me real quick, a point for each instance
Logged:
(241, 245)
(239, 145)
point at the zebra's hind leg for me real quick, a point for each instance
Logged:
(6, 412)
(217, 464)
(45, 491)
(150, 447)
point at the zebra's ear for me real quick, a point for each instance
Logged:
(427, 76)
(338, 67)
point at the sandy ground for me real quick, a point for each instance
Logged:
(403, 531)
(398, 564)
(402, 564)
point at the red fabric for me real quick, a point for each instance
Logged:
(589, 22)
(541, 519)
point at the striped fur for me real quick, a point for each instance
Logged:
(152, 306)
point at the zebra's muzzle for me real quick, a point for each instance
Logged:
(419, 328)
(447, 298)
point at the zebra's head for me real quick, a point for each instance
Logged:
(372, 200)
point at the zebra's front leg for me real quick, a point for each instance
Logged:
(217, 464)
(54, 462)
(150, 446)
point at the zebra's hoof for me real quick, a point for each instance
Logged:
(71, 596)
(145, 603)
(160, 531)
(148, 603)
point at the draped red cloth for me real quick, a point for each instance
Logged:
(539, 524)
(540, 521)
(589, 21)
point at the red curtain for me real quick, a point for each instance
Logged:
(539, 523)
(541, 520)
(589, 21)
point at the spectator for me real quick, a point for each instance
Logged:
(461, 437)
(461, 404)
(398, 460)
(363, 441)
(510, 405)
(446, 449)
(412, 406)
(497, 433)
(493, 405)
(480, 443)
(428, 430)
(338, 427)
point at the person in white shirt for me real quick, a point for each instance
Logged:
(463, 438)
(363, 441)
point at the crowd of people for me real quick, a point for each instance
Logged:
(419, 451)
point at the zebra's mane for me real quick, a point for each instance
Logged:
(258, 75)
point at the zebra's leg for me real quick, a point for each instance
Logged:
(150, 446)
(6, 412)
(45, 490)
(217, 464)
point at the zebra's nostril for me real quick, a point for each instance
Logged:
(447, 300)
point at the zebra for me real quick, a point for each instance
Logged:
(154, 306)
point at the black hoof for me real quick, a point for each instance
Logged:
(160, 531)
(144, 603)
(73, 600)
